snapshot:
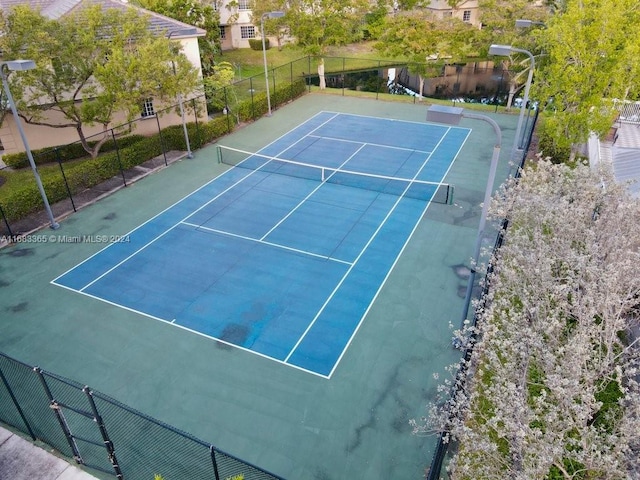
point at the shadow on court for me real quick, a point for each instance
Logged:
(354, 424)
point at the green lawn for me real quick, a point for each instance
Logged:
(250, 62)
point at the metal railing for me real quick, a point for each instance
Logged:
(105, 435)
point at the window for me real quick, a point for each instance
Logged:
(244, 4)
(248, 31)
(223, 32)
(147, 108)
(466, 16)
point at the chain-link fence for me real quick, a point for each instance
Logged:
(628, 111)
(445, 448)
(72, 179)
(106, 435)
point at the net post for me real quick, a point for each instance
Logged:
(449, 194)
(219, 153)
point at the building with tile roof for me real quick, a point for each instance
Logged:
(43, 136)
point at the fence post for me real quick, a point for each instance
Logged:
(379, 80)
(17, 405)
(212, 450)
(226, 109)
(253, 102)
(164, 153)
(64, 177)
(291, 80)
(6, 222)
(60, 417)
(195, 114)
(272, 91)
(124, 179)
(103, 431)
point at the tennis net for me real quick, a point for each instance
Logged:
(404, 187)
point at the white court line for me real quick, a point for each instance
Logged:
(384, 281)
(182, 221)
(271, 244)
(171, 322)
(54, 281)
(390, 147)
(348, 272)
(309, 195)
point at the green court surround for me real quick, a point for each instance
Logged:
(294, 424)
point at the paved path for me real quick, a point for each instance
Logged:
(22, 460)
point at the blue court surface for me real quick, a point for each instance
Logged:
(276, 261)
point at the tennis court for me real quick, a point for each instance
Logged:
(284, 253)
(343, 417)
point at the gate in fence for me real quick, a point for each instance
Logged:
(106, 435)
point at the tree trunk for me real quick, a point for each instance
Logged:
(323, 83)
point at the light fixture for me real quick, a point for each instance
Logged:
(19, 66)
(187, 32)
(275, 14)
(452, 116)
(506, 50)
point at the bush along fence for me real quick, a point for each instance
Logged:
(105, 435)
(71, 179)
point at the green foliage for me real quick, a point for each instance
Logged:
(318, 24)
(91, 64)
(419, 38)
(558, 150)
(256, 44)
(64, 153)
(591, 56)
(19, 196)
(611, 411)
(196, 13)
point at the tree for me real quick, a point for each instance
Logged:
(551, 389)
(202, 14)
(272, 26)
(422, 40)
(591, 56)
(91, 65)
(319, 24)
(218, 96)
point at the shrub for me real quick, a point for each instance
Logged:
(64, 153)
(256, 44)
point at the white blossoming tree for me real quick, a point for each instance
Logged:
(551, 390)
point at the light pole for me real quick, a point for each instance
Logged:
(187, 31)
(506, 50)
(19, 65)
(452, 116)
(276, 14)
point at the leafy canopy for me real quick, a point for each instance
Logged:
(592, 55)
(197, 13)
(91, 65)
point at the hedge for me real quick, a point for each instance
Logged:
(256, 44)
(64, 153)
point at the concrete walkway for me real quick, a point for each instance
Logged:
(22, 460)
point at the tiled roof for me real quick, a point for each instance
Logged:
(58, 8)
